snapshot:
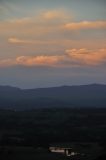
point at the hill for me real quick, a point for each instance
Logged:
(93, 95)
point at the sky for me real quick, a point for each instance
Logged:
(45, 43)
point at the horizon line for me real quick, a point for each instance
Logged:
(58, 86)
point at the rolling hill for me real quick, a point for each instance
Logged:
(93, 95)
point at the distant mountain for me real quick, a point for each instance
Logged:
(93, 95)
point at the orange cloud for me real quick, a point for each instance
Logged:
(45, 22)
(72, 57)
(86, 25)
(25, 41)
(39, 60)
(55, 14)
(87, 57)
(16, 40)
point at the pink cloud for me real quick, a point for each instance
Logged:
(87, 57)
(72, 57)
(86, 25)
(39, 60)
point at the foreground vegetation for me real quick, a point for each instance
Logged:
(28, 134)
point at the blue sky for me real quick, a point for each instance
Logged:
(84, 9)
(79, 9)
(47, 43)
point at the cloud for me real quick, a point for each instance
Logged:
(16, 40)
(41, 24)
(47, 28)
(38, 60)
(55, 14)
(86, 25)
(72, 57)
(87, 57)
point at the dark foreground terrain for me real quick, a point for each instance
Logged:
(29, 134)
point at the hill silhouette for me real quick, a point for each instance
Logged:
(92, 95)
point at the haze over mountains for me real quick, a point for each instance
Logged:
(93, 95)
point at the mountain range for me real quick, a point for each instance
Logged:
(92, 95)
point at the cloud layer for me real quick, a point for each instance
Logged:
(86, 25)
(87, 57)
(72, 57)
(46, 39)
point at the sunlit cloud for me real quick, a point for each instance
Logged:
(86, 25)
(55, 14)
(87, 57)
(38, 60)
(42, 23)
(39, 30)
(16, 40)
(72, 57)
(48, 34)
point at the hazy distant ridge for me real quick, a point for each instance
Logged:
(93, 95)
